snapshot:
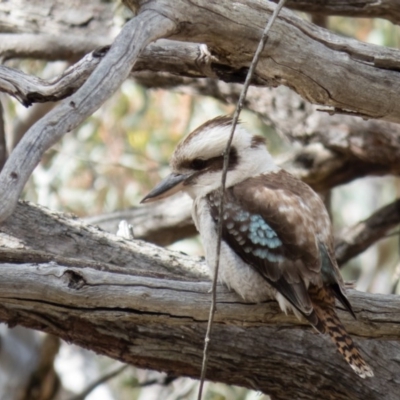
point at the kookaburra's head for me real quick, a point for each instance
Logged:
(198, 160)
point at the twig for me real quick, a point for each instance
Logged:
(3, 146)
(165, 381)
(106, 377)
(357, 238)
(102, 83)
(235, 119)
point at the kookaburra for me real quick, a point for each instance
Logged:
(276, 238)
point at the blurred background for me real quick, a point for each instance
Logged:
(109, 163)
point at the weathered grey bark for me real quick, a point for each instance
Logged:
(95, 16)
(148, 306)
(387, 9)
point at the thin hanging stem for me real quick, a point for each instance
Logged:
(235, 119)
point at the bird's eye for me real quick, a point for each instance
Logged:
(198, 164)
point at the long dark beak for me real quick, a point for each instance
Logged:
(172, 184)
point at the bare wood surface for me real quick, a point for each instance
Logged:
(148, 306)
(363, 69)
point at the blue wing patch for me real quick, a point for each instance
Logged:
(252, 232)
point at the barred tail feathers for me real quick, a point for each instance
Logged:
(329, 322)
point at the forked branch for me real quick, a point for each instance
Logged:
(103, 82)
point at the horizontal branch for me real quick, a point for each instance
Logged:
(387, 9)
(95, 17)
(369, 73)
(148, 306)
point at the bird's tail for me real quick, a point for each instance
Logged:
(329, 322)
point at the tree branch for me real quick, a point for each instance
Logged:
(3, 144)
(387, 9)
(356, 239)
(91, 292)
(365, 70)
(102, 83)
(344, 157)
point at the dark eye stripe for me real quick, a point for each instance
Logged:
(213, 164)
(198, 164)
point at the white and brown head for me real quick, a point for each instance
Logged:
(198, 160)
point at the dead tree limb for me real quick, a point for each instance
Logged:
(387, 9)
(114, 69)
(148, 306)
(95, 17)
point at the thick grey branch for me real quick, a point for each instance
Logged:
(95, 16)
(102, 83)
(148, 306)
(387, 9)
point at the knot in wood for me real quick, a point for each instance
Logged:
(75, 280)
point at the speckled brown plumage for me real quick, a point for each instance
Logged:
(328, 322)
(276, 233)
(292, 251)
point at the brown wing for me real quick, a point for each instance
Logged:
(269, 223)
